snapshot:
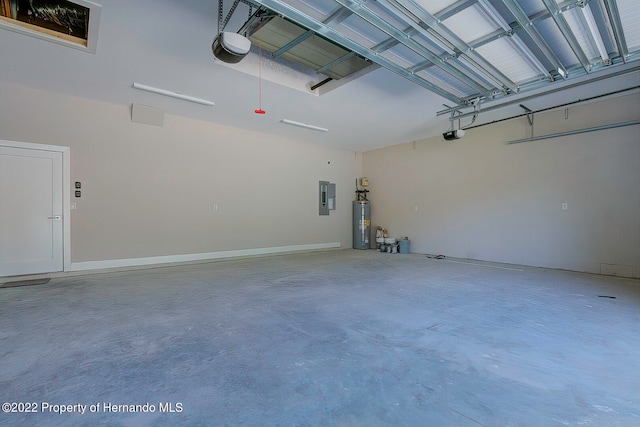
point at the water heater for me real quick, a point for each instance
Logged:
(361, 224)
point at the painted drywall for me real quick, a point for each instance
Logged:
(480, 198)
(150, 191)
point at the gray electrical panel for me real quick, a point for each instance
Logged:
(327, 197)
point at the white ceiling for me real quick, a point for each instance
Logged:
(167, 44)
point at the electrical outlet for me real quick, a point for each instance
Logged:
(565, 206)
(216, 208)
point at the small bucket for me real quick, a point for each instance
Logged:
(404, 246)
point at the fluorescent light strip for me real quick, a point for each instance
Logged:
(303, 125)
(172, 94)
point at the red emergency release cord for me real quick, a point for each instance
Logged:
(260, 110)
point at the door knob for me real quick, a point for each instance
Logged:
(55, 217)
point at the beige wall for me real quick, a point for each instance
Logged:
(481, 198)
(149, 191)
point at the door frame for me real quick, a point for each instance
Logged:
(66, 191)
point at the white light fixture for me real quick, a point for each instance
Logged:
(303, 125)
(595, 33)
(172, 94)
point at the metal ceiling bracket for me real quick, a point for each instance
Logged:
(577, 131)
(293, 43)
(528, 27)
(421, 17)
(616, 25)
(335, 18)
(553, 90)
(231, 11)
(422, 41)
(385, 45)
(452, 119)
(220, 13)
(456, 113)
(335, 62)
(498, 34)
(476, 111)
(372, 18)
(222, 23)
(457, 7)
(566, 31)
(588, 18)
(530, 57)
(530, 117)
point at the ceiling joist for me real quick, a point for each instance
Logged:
(512, 45)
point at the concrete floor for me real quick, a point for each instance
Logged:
(335, 338)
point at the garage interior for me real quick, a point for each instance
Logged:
(168, 255)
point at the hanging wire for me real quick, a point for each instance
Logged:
(455, 115)
(476, 111)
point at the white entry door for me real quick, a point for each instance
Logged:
(31, 225)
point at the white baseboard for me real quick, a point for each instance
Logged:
(171, 259)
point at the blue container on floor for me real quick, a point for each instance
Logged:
(404, 246)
